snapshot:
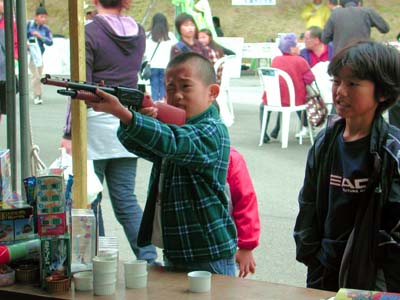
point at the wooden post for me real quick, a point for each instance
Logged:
(78, 108)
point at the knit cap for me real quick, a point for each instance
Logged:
(41, 11)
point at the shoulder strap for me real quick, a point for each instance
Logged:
(31, 23)
(154, 52)
(183, 47)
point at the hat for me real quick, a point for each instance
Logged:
(41, 11)
(286, 42)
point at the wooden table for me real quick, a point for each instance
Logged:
(166, 285)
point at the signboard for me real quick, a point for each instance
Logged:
(260, 50)
(253, 2)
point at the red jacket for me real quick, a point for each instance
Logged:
(15, 36)
(244, 202)
(300, 72)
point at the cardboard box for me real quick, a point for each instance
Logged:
(16, 222)
(50, 194)
(5, 175)
(52, 224)
(52, 212)
(55, 257)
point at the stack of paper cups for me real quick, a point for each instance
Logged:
(104, 275)
(135, 274)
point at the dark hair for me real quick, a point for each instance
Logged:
(41, 10)
(159, 28)
(182, 18)
(345, 3)
(377, 62)
(204, 68)
(115, 3)
(315, 32)
(213, 45)
(216, 21)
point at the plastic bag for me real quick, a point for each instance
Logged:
(34, 50)
(94, 185)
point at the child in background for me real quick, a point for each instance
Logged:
(347, 231)
(186, 212)
(244, 212)
(187, 29)
(158, 46)
(215, 51)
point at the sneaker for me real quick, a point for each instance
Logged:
(303, 133)
(37, 100)
(266, 139)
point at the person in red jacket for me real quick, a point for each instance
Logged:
(2, 58)
(244, 212)
(299, 71)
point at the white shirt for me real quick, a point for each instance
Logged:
(163, 53)
(102, 140)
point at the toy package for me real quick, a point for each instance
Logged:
(55, 260)
(52, 208)
(350, 294)
(16, 222)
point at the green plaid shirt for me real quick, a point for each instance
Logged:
(196, 225)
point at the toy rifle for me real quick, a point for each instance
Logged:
(132, 98)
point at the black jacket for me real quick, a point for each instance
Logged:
(374, 243)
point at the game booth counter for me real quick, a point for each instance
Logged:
(48, 250)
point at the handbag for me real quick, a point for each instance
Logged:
(145, 68)
(315, 107)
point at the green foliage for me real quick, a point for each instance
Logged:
(255, 23)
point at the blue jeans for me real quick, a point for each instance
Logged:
(120, 176)
(157, 84)
(225, 266)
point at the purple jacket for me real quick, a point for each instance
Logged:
(110, 57)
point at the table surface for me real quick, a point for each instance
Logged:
(163, 284)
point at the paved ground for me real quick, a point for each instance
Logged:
(277, 175)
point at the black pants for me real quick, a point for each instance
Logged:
(322, 278)
(3, 108)
(277, 124)
(2, 97)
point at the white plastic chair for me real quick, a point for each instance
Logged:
(224, 101)
(324, 82)
(269, 78)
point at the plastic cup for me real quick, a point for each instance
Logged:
(135, 282)
(104, 289)
(135, 267)
(199, 281)
(104, 264)
(83, 281)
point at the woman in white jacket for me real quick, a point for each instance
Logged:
(158, 47)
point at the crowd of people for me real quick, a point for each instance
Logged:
(201, 207)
